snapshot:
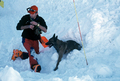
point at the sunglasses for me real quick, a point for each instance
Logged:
(29, 9)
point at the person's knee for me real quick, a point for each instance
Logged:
(24, 55)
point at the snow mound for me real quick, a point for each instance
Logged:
(104, 71)
(9, 74)
(83, 78)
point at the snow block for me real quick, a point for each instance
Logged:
(104, 71)
(9, 74)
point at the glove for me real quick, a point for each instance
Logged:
(37, 30)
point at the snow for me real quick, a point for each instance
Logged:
(9, 74)
(100, 28)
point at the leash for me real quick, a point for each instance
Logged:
(80, 31)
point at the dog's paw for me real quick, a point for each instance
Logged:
(55, 68)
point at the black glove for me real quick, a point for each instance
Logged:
(37, 30)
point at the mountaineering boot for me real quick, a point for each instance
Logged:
(16, 53)
(37, 68)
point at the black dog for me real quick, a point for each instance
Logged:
(62, 47)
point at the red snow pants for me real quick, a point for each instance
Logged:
(29, 46)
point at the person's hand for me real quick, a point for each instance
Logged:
(33, 23)
(31, 27)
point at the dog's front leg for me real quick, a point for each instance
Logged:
(59, 59)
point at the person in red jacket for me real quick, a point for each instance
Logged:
(32, 25)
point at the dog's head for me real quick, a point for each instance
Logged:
(52, 41)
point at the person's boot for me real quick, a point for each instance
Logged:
(37, 68)
(16, 53)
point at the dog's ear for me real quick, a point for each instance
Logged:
(56, 38)
(54, 35)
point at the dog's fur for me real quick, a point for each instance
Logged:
(62, 47)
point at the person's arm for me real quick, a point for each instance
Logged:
(27, 26)
(21, 25)
(38, 25)
(42, 28)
